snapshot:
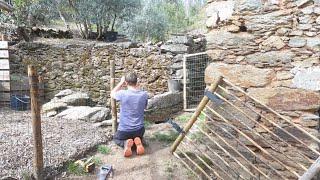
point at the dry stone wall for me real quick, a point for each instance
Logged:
(271, 49)
(84, 65)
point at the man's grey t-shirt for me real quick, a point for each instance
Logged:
(132, 105)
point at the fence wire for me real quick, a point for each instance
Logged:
(194, 66)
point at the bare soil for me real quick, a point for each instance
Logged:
(157, 163)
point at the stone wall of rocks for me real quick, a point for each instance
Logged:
(84, 65)
(270, 48)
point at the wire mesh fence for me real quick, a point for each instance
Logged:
(194, 68)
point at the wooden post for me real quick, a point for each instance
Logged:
(195, 115)
(113, 101)
(36, 123)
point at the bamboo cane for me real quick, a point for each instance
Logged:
(273, 123)
(236, 151)
(113, 101)
(185, 164)
(207, 156)
(261, 125)
(253, 142)
(195, 164)
(193, 119)
(312, 171)
(206, 164)
(273, 111)
(225, 151)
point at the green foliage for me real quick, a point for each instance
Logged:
(75, 169)
(165, 137)
(158, 19)
(97, 160)
(184, 117)
(103, 149)
(147, 124)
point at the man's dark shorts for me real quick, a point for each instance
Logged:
(121, 136)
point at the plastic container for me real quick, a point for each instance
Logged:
(19, 103)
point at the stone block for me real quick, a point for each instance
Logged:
(175, 48)
(248, 5)
(225, 9)
(297, 42)
(274, 42)
(224, 38)
(287, 99)
(242, 75)
(272, 58)
(162, 106)
(307, 78)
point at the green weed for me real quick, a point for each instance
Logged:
(103, 149)
(75, 169)
(165, 137)
(97, 160)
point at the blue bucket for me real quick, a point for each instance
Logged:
(19, 103)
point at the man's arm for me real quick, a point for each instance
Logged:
(117, 88)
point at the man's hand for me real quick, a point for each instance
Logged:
(122, 81)
(118, 87)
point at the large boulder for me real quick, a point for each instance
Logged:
(85, 113)
(78, 99)
(162, 106)
(54, 106)
(287, 99)
(242, 75)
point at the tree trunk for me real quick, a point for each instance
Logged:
(63, 19)
(114, 20)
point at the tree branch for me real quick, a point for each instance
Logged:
(5, 6)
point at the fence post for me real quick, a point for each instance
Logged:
(36, 123)
(195, 115)
(113, 101)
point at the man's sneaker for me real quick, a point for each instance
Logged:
(127, 148)
(140, 148)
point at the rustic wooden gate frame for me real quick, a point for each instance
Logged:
(309, 173)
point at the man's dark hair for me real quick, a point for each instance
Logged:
(131, 78)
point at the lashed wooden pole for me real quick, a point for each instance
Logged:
(36, 123)
(195, 115)
(312, 171)
(113, 101)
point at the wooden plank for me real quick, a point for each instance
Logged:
(4, 54)
(3, 44)
(4, 64)
(4, 86)
(4, 75)
(4, 96)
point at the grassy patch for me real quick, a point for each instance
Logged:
(184, 117)
(75, 169)
(147, 123)
(97, 160)
(165, 137)
(103, 149)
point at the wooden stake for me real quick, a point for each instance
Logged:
(186, 164)
(36, 123)
(113, 101)
(195, 115)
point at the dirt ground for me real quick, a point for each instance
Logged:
(157, 163)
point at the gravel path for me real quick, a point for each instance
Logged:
(63, 140)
